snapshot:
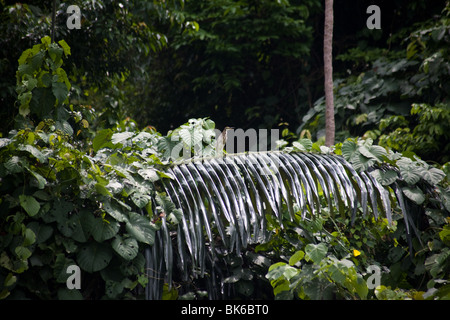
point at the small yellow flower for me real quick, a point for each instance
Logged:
(356, 252)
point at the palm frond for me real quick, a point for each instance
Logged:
(227, 201)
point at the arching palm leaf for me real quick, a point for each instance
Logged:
(226, 201)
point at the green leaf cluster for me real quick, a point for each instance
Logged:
(67, 201)
(315, 274)
(61, 206)
(42, 85)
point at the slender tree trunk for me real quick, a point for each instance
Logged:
(53, 20)
(328, 71)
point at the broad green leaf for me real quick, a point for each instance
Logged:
(22, 252)
(337, 274)
(141, 228)
(280, 287)
(306, 143)
(140, 200)
(166, 205)
(41, 182)
(65, 47)
(24, 56)
(46, 41)
(445, 234)
(349, 150)
(191, 137)
(4, 142)
(68, 224)
(415, 194)
(361, 162)
(373, 152)
(409, 171)
(433, 175)
(62, 77)
(60, 207)
(29, 237)
(171, 294)
(168, 144)
(14, 165)
(42, 231)
(94, 256)
(315, 252)
(290, 272)
(299, 146)
(209, 124)
(101, 189)
(55, 52)
(30, 204)
(10, 280)
(296, 257)
(30, 83)
(113, 211)
(360, 286)
(114, 288)
(121, 137)
(276, 270)
(126, 248)
(36, 62)
(101, 138)
(149, 174)
(64, 126)
(34, 151)
(60, 91)
(104, 229)
(385, 178)
(114, 186)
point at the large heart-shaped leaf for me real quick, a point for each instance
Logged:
(104, 229)
(316, 252)
(433, 175)
(385, 178)
(349, 150)
(126, 248)
(94, 256)
(415, 194)
(373, 152)
(409, 171)
(140, 228)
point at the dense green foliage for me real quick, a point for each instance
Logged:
(401, 95)
(242, 58)
(335, 263)
(109, 53)
(66, 201)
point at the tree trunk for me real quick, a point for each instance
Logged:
(328, 71)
